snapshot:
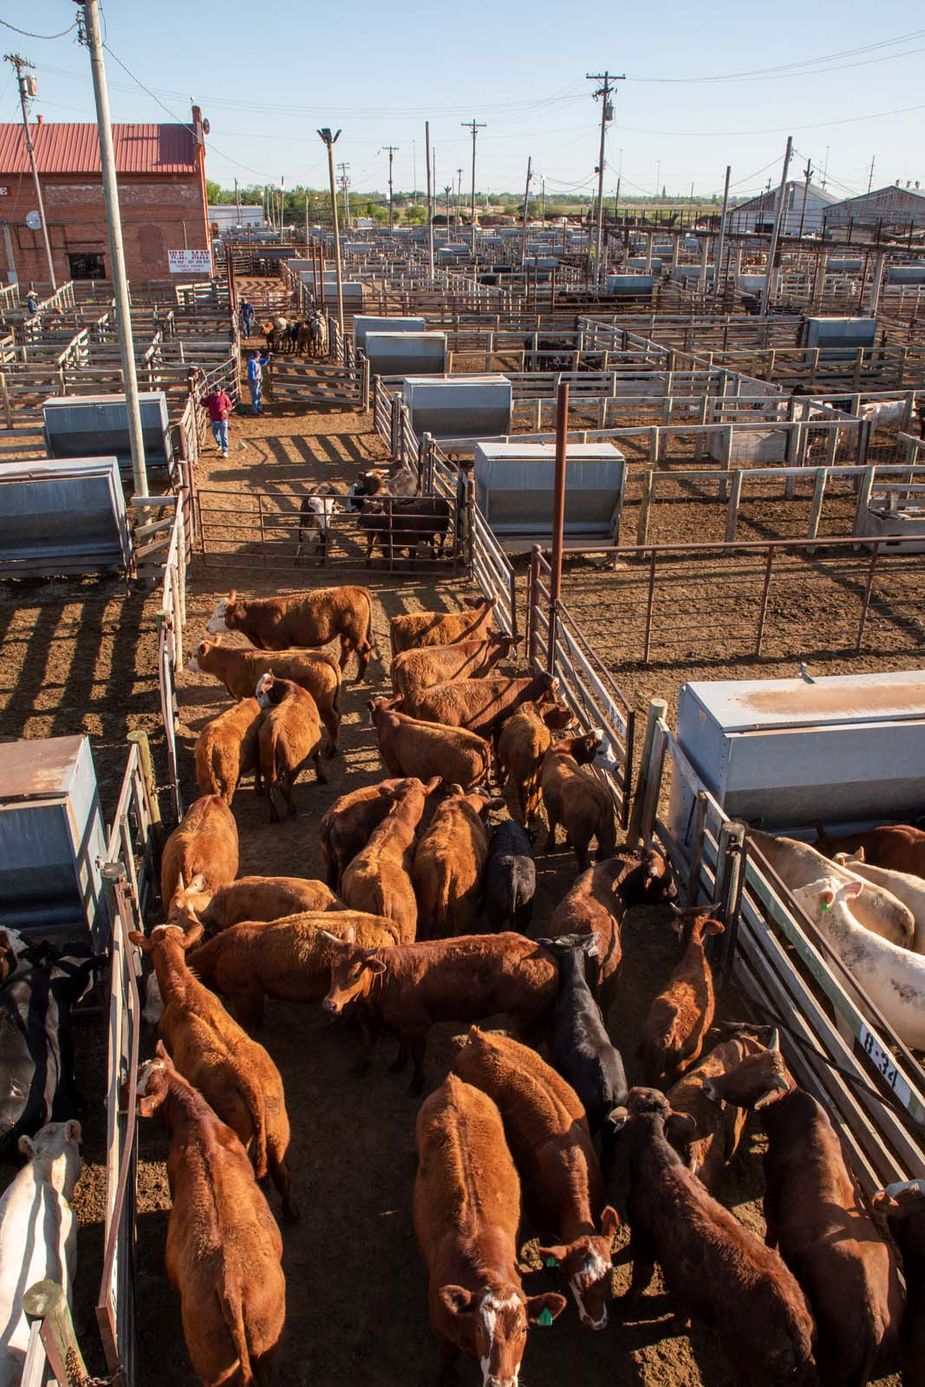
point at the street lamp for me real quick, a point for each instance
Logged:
(330, 141)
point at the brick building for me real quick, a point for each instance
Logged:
(162, 195)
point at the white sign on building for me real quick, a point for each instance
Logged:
(190, 262)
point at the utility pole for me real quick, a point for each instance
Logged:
(446, 193)
(458, 198)
(27, 90)
(778, 223)
(721, 239)
(523, 250)
(605, 91)
(391, 150)
(89, 32)
(807, 175)
(870, 180)
(345, 192)
(237, 203)
(430, 204)
(543, 201)
(330, 141)
(475, 126)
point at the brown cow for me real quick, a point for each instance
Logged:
(448, 862)
(814, 1215)
(289, 736)
(425, 749)
(289, 959)
(466, 1215)
(719, 1125)
(415, 670)
(241, 671)
(413, 630)
(574, 797)
(233, 1073)
(378, 880)
(346, 827)
(599, 900)
(899, 847)
(714, 1270)
(904, 1207)
(522, 743)
(547, 1131)
(226, 749)
(224, 1250)
(482, 705)
(409, 988)
(249, 898)
(681, 1015)
(204, 843)
(303, 619)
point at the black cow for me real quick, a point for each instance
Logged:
(509, 878)
(580, 1047)
(36, 1048)
(403, 524)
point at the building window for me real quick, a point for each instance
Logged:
(87, 265)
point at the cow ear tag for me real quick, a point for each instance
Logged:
(824, 905)
(551, 1262)
(544, 1318)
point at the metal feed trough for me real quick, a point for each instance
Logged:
(788, 752)
(51, 838)
(514, 488)
(459, 406)
(91, 425)
(364, 323)
(58, 518)
(406, 353)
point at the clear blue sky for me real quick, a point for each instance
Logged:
(268, 75)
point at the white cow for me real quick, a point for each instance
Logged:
(38, 1234)
(883, 414)
(315, 516)
(797, 864)
(903, 885)
(892, 977)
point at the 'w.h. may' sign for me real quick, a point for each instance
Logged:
(189, 262)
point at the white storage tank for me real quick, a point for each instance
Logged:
(363, 324)
(406, 353)
(459, 406)
(51, 839)
(514, 488)
(786, 752)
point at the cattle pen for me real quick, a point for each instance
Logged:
(720, 568)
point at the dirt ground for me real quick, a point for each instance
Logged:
(82, 657)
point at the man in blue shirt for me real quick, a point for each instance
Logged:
(247, 315)
(255, 365)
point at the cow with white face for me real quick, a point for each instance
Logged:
(38, 1234)
(466, 1216)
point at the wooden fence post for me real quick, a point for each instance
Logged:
(730, 880)
(647, 770)
(147, 769)
(47, 1302)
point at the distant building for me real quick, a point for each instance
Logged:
(892, 208)
(225, 216)
(162, 197)
(803, 206)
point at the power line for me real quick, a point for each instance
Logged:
(795, 68)
(26, 34)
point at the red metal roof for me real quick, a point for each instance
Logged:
(69, 147)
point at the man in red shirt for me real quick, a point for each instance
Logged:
(219, 406)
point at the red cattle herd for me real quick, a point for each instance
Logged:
(535, 1131)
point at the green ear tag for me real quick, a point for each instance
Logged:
(544, 1318)
(824, 905)
(550, 1262)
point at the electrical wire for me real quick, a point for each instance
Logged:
(26, 34)
(773, 129)
(797, 68)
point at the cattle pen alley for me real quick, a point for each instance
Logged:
(88, 656)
